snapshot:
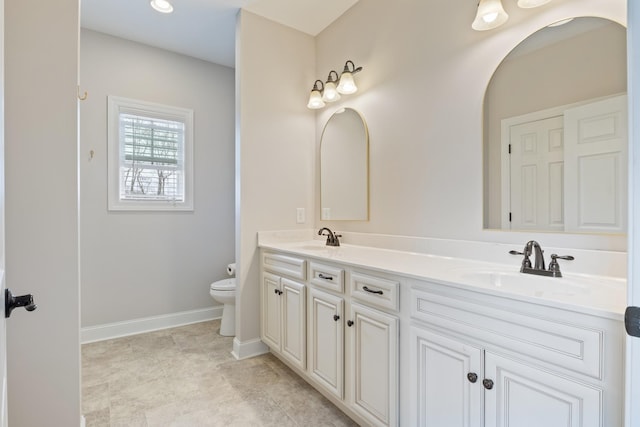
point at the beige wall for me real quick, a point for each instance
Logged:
(422, 90)
(274, 147)
(41, 145)
(141, 264)
(421, 93)
(584, 67)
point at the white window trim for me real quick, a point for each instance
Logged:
(117, 105)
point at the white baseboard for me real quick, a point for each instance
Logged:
(147, 324)
(247, 349)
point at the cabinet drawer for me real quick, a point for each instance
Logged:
(327, 277)
(536, 335)
(286, 265)
(374, 290)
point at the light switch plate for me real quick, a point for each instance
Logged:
(300, 216)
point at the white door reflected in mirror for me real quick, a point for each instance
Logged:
(543, 184)
(567, 168)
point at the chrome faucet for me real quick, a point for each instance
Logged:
(538, 253)
(533, 248)
(332, 238)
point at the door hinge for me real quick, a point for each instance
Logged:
(509, 148)
(509, 216)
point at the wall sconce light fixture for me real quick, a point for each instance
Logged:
(330, 93)
(347, 84)
(334, 86)
(491, 14)
(315, 99)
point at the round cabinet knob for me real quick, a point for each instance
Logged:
(472, 377)
(275, 291)
(336, 317)
(349, 323)
(487, 383)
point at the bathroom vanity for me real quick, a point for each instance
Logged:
(407, 339)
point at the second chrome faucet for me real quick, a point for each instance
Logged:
(533, 248)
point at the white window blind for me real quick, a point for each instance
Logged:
(150, 156)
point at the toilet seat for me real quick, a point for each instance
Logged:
(224, 285)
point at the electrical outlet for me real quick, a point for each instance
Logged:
(300, 216)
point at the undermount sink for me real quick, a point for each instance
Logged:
(532, 284)
(314, 247)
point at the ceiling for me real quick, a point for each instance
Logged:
(204, 29)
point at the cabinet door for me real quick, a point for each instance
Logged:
(373, 345)
(326, 358)
(271, 311)
(293, 322)
(443, 390)
(526, 396)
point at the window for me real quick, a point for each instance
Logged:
(150, 156)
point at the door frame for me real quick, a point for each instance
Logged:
(632, 365)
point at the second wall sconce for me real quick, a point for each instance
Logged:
(491, 14)
(334, 86)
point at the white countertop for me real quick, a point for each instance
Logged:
(596, 295)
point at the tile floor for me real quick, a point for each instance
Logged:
(187, 377)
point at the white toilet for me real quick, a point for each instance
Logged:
(224, 291)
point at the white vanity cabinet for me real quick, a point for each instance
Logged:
(372, 347)
(326, 340)
(373, 376)
(482, 361)
(352, 332)
(353, 347)
(283, 306)
(398, 348)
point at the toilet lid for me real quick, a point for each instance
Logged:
(224, 285)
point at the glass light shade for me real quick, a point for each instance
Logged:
(315, 100)
(330, 93)
(528, 4)
(162, 6)
(347, 85)
(490, 15)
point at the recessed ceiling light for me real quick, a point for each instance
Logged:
(162, 6)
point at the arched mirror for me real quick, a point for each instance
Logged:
(344, 167)
(555, 132)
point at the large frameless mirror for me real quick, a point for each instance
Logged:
(555, 132)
